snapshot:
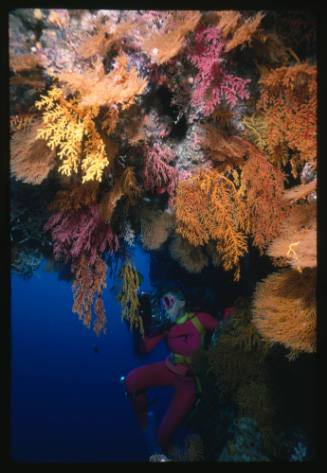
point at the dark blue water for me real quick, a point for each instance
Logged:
(67, 402)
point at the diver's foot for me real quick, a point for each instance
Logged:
(158, 458)
(150, 434)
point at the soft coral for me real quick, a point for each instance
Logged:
(212, 83)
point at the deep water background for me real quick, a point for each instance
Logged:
(67, 401)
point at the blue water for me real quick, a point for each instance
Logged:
(67, 401)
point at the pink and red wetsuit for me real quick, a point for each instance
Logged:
(183, 339)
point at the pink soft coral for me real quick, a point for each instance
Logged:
(212, 83)
(159, 176)
(81, 232)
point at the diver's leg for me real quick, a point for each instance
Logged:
(181, 404)
(138, 380)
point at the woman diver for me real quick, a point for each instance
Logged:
(185, 334)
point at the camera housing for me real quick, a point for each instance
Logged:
(153, 318)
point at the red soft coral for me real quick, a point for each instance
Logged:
(212, 83)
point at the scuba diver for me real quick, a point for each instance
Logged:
(185, 333)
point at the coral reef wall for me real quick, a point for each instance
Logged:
(191, 133)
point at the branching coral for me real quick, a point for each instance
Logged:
(69, 128)
(193, 259)
(128, 296)
(88, 285)
(30, 158)
(212, 83)
(208, 207)
(262, 188)
(285, 309)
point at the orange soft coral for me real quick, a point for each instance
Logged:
(208, 207)
(285, 309)
(163, 46)
(89, 283)
(120, 86)
(262, 187)
(289, 103)
(297, 243)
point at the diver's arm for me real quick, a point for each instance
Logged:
(148, 343)
(209, 322)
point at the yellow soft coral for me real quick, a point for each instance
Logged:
(208, 207)
(71, 130)
(128, 296)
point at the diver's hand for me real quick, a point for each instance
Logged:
(157, 329)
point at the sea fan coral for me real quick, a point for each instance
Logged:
(30, 158)
(297, 243)
(284, 308)
(193, 259)
(156, 227)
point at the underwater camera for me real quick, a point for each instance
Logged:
(154, 318)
